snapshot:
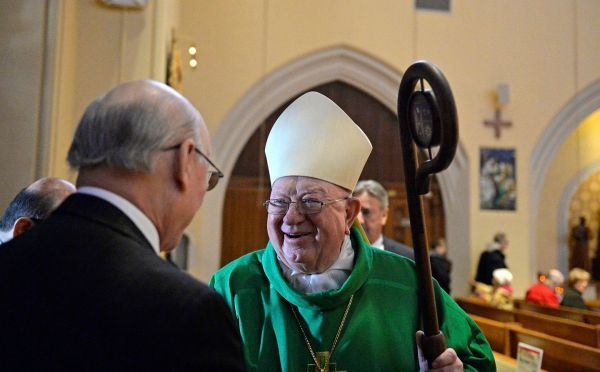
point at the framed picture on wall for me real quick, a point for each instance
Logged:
(497, 179)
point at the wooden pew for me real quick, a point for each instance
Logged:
(593, 305)
(579, 332)
(495, 332)
(504, 363)
(587, 316)
(559, 354)
(478, 307)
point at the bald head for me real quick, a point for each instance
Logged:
(126, 127)
(33, 204)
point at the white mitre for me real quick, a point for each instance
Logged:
(315, 138)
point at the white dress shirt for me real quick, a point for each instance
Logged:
(138, 217)
(378, 243)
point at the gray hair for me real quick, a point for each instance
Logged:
(125, 127)
(374, 189)
(499, 237)
(556, 277)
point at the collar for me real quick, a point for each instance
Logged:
(138, 217)
(5, 236)
(328, 299)
(332, 278)
(378, 243)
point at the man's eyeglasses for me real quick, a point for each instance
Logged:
(305, 206)
(213, 176)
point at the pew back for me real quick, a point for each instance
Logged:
(478, 307)
(587, 316)
(559, 354)
(495, 332)
(582, 333)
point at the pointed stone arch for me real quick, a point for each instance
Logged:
(355, 68)
(563, 214)
(556, 133)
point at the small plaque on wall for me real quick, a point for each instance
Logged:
(497, 179)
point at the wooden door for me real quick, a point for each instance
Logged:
(244, 218)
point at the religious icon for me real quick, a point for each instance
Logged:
(497, 179)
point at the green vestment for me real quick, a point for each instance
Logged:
(379, 333)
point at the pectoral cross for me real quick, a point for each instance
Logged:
(497, 123)
(323, 363)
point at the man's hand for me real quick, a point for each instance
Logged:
(446, 361)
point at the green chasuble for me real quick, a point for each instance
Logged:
(379, 332)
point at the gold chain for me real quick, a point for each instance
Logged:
(337, 336)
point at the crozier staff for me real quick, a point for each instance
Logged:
(318, 297)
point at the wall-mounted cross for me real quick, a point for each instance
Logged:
(497, 123)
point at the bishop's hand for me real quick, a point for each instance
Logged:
(445, 362)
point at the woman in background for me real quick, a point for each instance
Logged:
(578, 281)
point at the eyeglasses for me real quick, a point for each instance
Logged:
(305, 206)
(365, 211)
(213, 176)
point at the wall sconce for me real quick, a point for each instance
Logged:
(193, 53)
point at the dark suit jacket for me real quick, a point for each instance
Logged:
(398, 248)
(85, 291)
(440, 270)
(488, 262)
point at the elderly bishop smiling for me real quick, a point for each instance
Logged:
(319, 297)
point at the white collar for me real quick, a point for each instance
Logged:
(378, 243)
(6, 236)
(332, 278)
(138, 217)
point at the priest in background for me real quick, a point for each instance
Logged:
(319, 297)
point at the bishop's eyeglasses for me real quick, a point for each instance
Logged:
(305, 206)
(213, 175)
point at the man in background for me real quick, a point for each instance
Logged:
(32, 205)
(441, 266)
(87, 290)
(492, 258)
(374, 208)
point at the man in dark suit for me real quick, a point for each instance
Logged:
(86, 289)
(374, 202)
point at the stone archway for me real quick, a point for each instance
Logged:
(563, 213)
(357, 69)
(560, 128)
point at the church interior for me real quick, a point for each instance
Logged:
(524, 75)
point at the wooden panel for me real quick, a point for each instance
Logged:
(243, 207)
(495, 332)
(591, 317)
(477, 307)
(559, 354)
(579, 332)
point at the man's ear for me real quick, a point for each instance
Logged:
(352, 210)
(184, 163)
(384, 216)
(21, 225)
